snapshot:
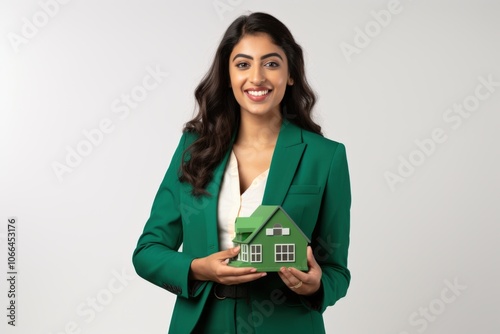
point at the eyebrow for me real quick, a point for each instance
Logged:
(272, 54)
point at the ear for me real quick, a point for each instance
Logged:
(290, 81)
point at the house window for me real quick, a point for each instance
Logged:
(243, 254)
(284, 253)
(277, 229)
(256, 253)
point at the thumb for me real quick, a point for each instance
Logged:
(310, 258)
(229, 253)
(235, 250)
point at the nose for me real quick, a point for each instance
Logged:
(257, 76)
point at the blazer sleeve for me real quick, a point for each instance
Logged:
(156, 258)
(331, 235)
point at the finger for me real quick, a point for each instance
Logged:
(298, 275)
(241, 278)
(286, 273)
(311, 261)
(293, 283)
(229, 275)
(224, 255)
(282, 275)
(289, 276)
(314, 269)
(231, 271)
(250, 277)
(284, 279)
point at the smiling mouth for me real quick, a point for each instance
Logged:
(258, 92)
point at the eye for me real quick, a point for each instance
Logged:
(242, 65)
(271, 64)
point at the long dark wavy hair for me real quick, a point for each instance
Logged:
(218, 114)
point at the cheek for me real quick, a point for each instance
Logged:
(236, 80)
(280, 86)
(280, 81)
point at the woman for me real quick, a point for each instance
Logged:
(252, 142)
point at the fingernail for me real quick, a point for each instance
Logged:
(263, 274)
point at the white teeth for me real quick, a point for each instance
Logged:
(258, 92)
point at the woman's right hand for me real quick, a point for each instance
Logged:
(214, 268)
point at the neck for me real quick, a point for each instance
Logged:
(259, 130)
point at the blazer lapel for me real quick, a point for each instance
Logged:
(287, 154)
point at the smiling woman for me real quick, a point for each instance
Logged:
(252, 142)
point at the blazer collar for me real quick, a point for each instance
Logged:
(287, 154)
(286, 158)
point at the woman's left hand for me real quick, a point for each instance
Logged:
(300, 282)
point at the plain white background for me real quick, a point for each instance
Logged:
(437, 225)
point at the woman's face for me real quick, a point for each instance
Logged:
(258, 71)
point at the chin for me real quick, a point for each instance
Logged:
(260, 111)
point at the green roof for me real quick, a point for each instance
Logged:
(265, 211)
(253, 224)
(248, 225)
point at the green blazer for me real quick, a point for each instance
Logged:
(309, 178)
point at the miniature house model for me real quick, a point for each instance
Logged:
(270, 239)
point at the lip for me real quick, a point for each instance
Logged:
(257, 98)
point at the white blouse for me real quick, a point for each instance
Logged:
(232, 204)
